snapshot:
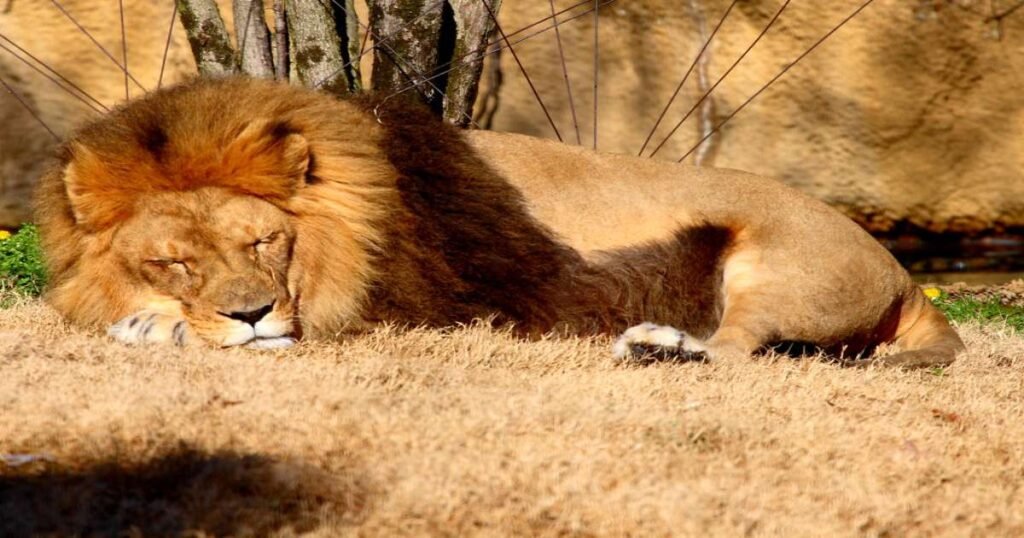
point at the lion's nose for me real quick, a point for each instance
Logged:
(252, 316)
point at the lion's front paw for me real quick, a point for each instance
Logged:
(652, 342)
(147, 327)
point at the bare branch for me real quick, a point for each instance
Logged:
(253, 38)
(211, 45)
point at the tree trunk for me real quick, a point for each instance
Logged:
(406, 35)
(208, 37)
(473, 25)
(316, 47)
(317, 42)
(253, 38)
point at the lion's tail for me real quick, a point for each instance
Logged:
(925, 337)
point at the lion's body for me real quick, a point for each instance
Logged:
(410, 221)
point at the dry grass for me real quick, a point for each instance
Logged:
(476, 433)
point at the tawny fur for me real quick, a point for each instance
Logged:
(402, 218)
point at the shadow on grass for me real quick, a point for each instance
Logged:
(183, 492)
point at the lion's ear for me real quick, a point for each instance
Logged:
(270, 156)
(96, 202)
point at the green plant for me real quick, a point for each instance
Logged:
(21, 262)
(981, 310)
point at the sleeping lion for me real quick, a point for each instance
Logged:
(245, 212)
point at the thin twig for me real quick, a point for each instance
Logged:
(124, 49)
(597, 69)
(167, 46)
(721, 78)
(565, 74)
(522, 68)
(97, 43)
(28, 108)
(686, 76)
(777, 77)
(55, 73)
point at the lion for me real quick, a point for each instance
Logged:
(234, 211)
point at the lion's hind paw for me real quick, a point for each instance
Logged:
(649, 342)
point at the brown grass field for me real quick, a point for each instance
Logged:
(472, 432)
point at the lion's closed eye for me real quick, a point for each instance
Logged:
(266, 240)
(166, 264)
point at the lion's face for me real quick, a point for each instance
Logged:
(223, 258)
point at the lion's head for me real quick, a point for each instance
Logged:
(224, 257)
(230, 211)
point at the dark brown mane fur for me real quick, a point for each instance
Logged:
(464, 246)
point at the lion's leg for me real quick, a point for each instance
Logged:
(151, 327)
(743, 330)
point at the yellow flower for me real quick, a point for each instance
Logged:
(4, 234)
(932, 293)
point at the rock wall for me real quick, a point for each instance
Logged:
(912, 113)
(41, 29)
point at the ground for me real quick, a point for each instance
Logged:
(473, 432)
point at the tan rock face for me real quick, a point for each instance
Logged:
(42, 30)
(906, 114)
